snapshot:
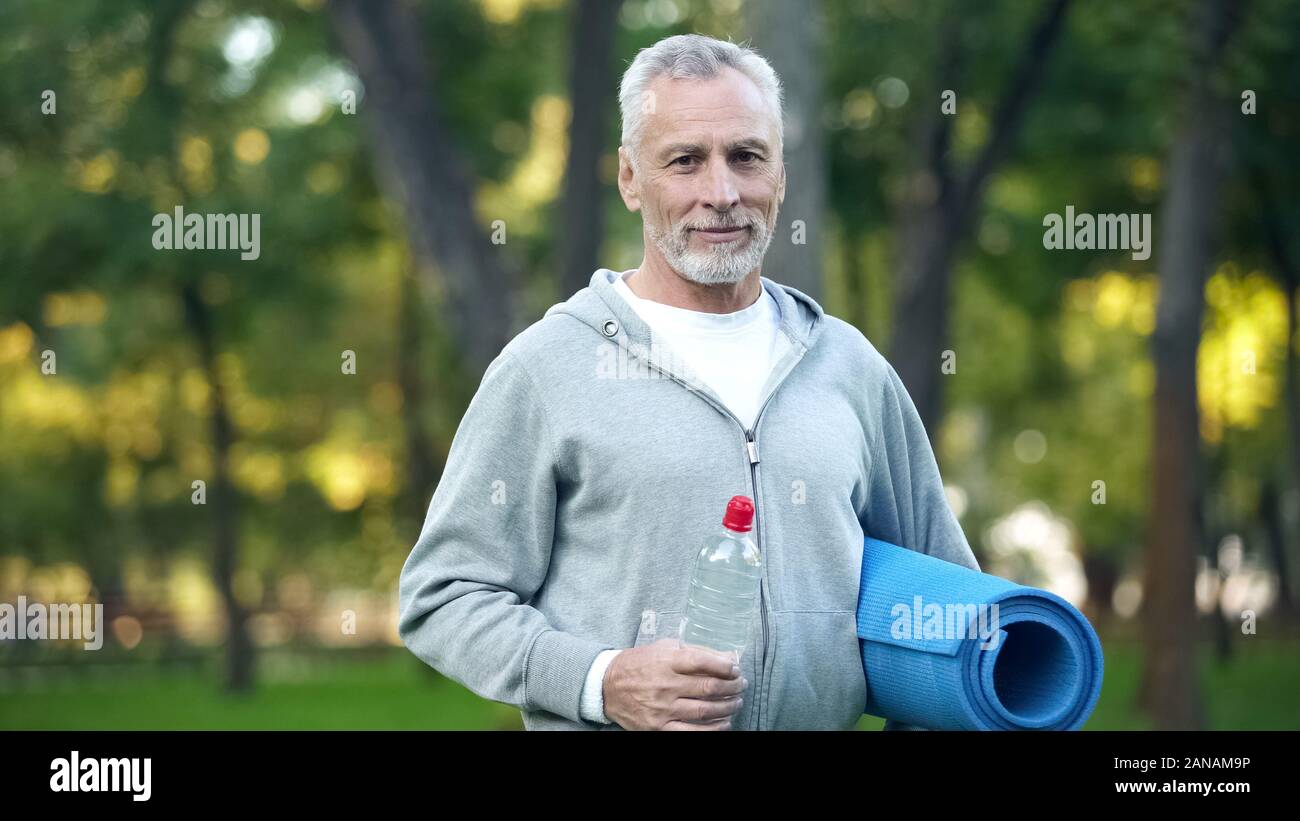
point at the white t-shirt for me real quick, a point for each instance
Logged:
(731, 353)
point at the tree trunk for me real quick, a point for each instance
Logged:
(422, 470)
(1102, 573)
(790, 37)
(1293, 412)
(420, 167)
(593, 88)
(222, 501)
(1276, 234)
(941, 205)
(1292, 363)
(920, 334)
(1273, 522)
(1171, 685)
(855, 278)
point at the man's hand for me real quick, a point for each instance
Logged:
(664, 686)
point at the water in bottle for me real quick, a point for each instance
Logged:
(724, 587)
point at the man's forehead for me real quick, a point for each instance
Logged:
(729, 100)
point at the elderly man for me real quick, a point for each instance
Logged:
(606, 439)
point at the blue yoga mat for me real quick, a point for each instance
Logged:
(1033, 663)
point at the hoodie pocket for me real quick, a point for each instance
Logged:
(816, 681)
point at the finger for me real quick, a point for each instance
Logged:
(713, 726)
(695, 709)
(711, 687)
(692, 660)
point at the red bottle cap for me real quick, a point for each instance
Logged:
(740, 514)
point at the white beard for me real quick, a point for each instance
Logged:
(725, 263)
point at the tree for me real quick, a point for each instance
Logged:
(943, 200)
(1170, 687)
(1271, 511)
(593, 88)
(420, 166)
(790, 37)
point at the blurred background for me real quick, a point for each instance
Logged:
(432, 176)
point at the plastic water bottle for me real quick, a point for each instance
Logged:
(724, 587)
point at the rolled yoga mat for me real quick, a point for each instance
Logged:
(1042, 669)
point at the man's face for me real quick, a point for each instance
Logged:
(709, 176)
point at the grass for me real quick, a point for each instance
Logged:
(392, 691)
(389, 689)
(1258, 688)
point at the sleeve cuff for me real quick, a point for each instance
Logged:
(555, 672)
(593, 692)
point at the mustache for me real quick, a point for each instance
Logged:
(716, 226)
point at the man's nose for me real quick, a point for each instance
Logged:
(720, 191)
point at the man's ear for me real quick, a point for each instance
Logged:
(781, 191)
(627, 181)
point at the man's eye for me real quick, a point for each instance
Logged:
(687, 157)
(746, 156)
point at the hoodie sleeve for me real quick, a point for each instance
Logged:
(906, 504)
(484, 551)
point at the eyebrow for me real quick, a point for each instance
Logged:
(698, 148)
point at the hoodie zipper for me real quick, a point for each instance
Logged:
(751, 453)
(751, 450)
(751, 447)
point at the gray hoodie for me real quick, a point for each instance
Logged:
(586, 472)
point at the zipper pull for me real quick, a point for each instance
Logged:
(752, 447)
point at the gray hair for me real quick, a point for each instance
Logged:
(691, 56)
